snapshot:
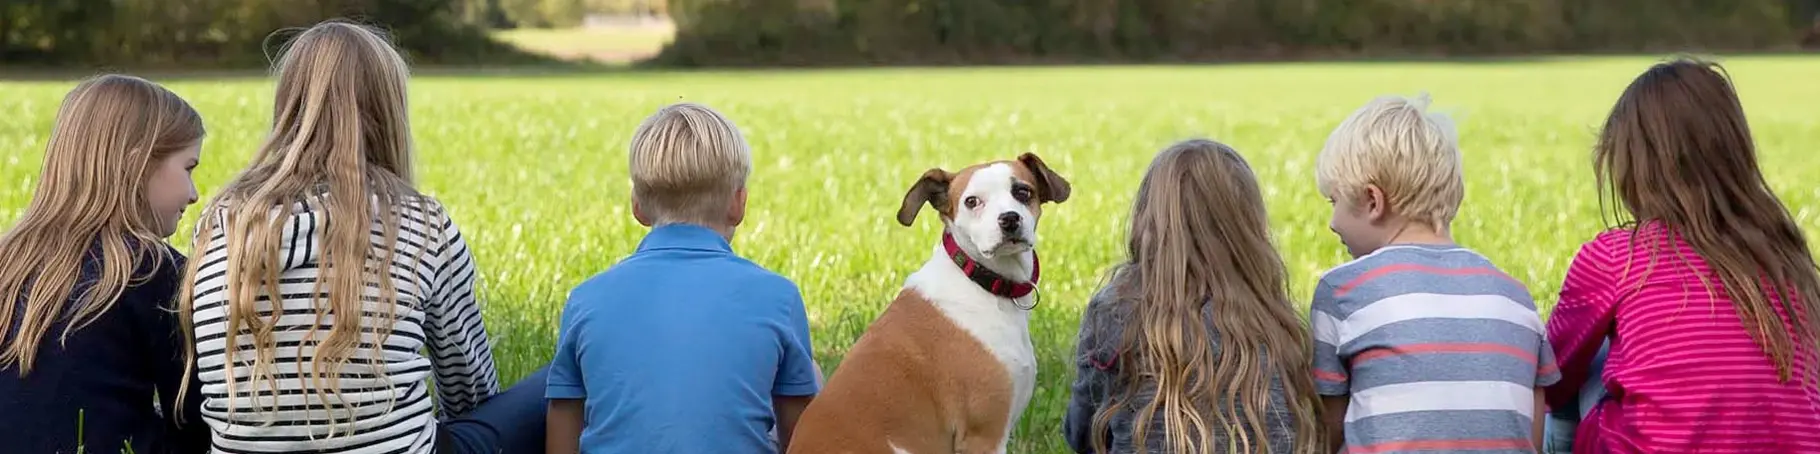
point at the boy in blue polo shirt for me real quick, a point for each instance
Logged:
(683, 347)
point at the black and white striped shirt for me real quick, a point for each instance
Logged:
(438, 333)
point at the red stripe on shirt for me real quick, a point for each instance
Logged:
(1411, 349)
(1413, 267)
(1442, 445)
(1329, 376)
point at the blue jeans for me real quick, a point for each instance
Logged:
(1558, 429)
(508, 422)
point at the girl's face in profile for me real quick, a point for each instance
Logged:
(169, 188)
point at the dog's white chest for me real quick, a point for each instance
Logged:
(1005, 331)
(997, 322)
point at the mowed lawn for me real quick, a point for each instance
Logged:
(534, 169)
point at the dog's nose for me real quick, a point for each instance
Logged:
(1008, 221)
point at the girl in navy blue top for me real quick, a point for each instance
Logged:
(91, 354)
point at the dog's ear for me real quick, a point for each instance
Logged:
(1050, 187)
(931, 188)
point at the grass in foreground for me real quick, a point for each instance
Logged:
(535, 169)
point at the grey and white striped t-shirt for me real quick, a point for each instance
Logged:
(1438, 350)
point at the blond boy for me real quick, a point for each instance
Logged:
(682, 346)
(1421, 344)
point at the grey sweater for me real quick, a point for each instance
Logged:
(1096, 366)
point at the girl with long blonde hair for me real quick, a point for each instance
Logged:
(87, 281)
(330, 293)
(1194, 345)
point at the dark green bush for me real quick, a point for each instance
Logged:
(758, 32)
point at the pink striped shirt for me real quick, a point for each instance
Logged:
(1682, 375)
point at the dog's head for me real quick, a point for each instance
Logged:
(991, 208)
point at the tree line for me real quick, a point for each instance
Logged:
(809, 32)
(247, 32)
(835, 32)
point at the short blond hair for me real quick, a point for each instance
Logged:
(687, 161)
(1410, 154)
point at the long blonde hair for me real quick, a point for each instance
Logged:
(110, 131)
(1200, 252)
(339, 127)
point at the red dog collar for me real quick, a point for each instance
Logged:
(992, 282)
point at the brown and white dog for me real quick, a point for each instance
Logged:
(948, 367)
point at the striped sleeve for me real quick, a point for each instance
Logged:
(1581, 320)
(459, 348)
(1330, 373)
(1548, 370)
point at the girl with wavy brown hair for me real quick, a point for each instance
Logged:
(1194, 345)
(1703, 298)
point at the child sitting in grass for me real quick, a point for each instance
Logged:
(332, 305)
(683, 346)
(1706, 297)
(1194, 345)
(87, 284)
(1420, 344)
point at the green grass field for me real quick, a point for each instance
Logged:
(534, 168)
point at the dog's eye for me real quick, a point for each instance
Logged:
(972, 202)
(1022, 194)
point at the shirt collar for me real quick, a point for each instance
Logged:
(684, 236)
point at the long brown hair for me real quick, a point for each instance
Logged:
(1678, 153)
(1200, 252)
(340, 144)
(110, 131)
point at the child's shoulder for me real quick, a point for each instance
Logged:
(158, 270)
(1105, 306)
(1616, 244)
(744, 274)
(1624, 236)
(758, 277)
(1407, 270)
(730, 273)
(1389, 257)
(1615, 235)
